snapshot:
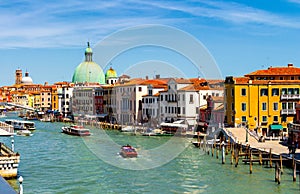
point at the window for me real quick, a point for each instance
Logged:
(275, 92)
(232, 106)
(275, 106)
(191, 98)
(283, 118)
(264, 106)
(244, 118)
(232, 92)
(183, 110)
(243, 106)
(264, 92)
(204, 97)
(140, 89)
(275, 119)
(283, 105)
(183, 99)
(243, 92)
(283, 91)
(264, 119)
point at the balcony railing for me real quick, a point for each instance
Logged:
(290, 96)
(288, 111)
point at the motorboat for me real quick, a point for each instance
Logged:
(24, 132)
(128, 151)
(128, 129)
(76, 130)
(20, 124)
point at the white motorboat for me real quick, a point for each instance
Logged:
(24, 132)
(20, 124)
(128, 129)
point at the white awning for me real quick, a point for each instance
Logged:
(179, 122)
(173, 125)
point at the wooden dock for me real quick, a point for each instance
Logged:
(236, 152)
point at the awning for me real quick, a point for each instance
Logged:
(173, 125)
(102, 115)
(276, 127)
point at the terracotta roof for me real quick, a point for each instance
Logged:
(241, 80)
(276, 71)
(245, 80)
(139, 81)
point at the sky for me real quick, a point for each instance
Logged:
(48, 38)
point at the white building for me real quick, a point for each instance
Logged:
(184, 97)
(129, 96)
(150, 104)
(65, 93)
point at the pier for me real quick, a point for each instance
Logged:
(250, 151)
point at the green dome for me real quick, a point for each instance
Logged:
(88, 71)
(88, 50)
(111, 73)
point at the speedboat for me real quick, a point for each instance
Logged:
(24, 132)
(128, 151)
(76, 130)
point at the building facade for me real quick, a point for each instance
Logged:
(264, 100)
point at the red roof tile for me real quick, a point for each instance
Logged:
(276, 71)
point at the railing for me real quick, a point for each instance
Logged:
(288, 112)
(6, 127)
(290, 96)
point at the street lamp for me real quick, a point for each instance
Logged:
(246, 131)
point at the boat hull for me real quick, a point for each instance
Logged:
(78, 132)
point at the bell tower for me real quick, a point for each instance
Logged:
(18, 76)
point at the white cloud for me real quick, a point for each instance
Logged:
(26, 23)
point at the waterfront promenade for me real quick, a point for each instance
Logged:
(277, 148)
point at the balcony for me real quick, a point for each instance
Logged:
(288, 111)
(290, 96)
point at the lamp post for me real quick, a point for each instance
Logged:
(246, 131)
(20, 186)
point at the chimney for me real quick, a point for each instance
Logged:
(157, 76)
(290, 65)
(146, 77)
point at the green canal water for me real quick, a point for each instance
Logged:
(53, 162)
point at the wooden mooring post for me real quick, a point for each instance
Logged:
(294, 169)
(270, 156)
(250, 164)
(223, 153)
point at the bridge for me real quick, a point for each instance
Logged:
(17, 105)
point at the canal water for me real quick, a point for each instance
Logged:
(53, 162)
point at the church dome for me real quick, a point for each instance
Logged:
(26, 79)
(88, 71)
(111, 73)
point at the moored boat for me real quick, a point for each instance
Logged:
(20, 124)
(24, 132)
(128, 129)
(76, 130)
(128, 151)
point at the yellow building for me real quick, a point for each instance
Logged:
(264, 100)
(54, 98)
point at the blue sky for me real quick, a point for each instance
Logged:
(48, 38)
